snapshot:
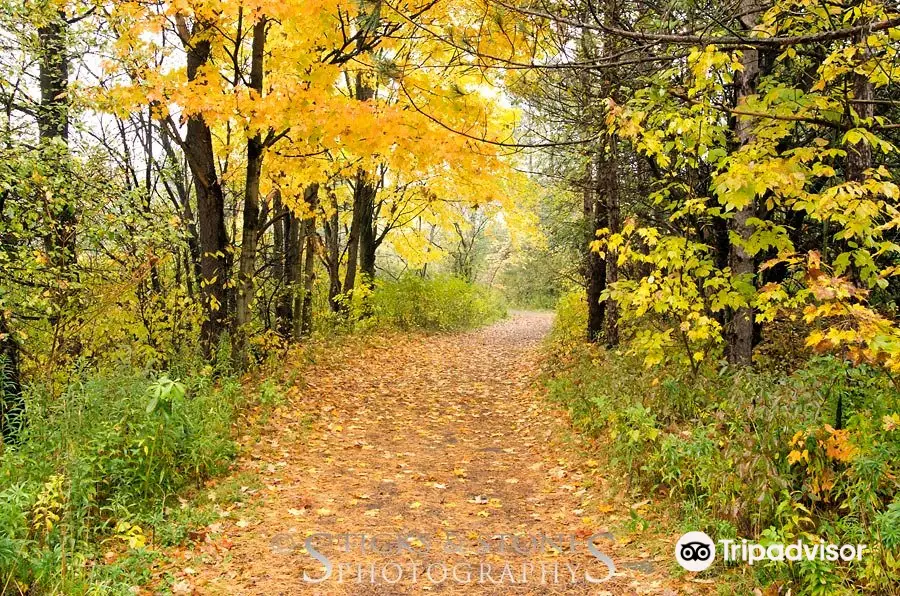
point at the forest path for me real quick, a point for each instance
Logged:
(446, 436)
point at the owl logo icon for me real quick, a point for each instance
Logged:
(695, 551)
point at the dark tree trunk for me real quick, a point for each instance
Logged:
(311, 195)
(353, 236)
(369, 239)
(594, 264)
(214, 261)
(368, 245)
(609, 180)
(361, 240)
(595, 278)
(53, 114)
(716, 235)
(740, 339)
(293, 253)
(721, 242)
(333, 258)
(279, 249)
(859, 156)
(12, 402)
(53, 129)
(278, 241)
(250, 230)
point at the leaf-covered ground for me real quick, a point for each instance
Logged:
(446, 437)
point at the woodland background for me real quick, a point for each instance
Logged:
(193, 193)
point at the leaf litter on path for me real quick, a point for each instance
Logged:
(444, 440)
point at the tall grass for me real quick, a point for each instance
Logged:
(99, 466)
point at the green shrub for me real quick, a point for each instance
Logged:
(760, 454)
(442, 303)
(571, 314)
(102, 462)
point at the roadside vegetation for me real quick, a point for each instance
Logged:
(774, 456)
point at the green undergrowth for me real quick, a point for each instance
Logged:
(769, 456)
(103, 471)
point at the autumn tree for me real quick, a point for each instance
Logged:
(365, 145)
(729, 137)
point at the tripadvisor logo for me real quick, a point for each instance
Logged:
(696, 551)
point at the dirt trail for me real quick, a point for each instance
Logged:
(443, 436)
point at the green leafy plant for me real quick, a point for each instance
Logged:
(164, 393)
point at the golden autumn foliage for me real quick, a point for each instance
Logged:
(409, 128)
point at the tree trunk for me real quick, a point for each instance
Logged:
(309, 266)
(594, 265)
(250, 230)
(367, 245)
(353, 236)
(53, 114)
(361, 240)
(333, 258)
(293, 253)
(859, 156)
(53, 129)
(12, 402)
(609, 179)
(279, 247)
(212, 234)
(740, 340)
